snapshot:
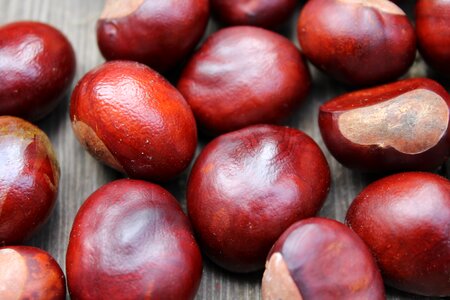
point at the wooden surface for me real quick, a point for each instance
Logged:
(81, 174)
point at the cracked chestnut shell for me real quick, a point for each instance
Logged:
(358, 42)
(248, 186)
(130, 118)
(29, 179)
(30, 273)
(158, 33)
(398, 126)
(319, 258)
(37, 66)
(131, 240)
(405, 220)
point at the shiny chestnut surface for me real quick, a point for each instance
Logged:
(37, 66)
(158, 33)
(29, 179)
(358, 42)
(30, 273)
(433, 33)
(130, 118)
(131, 240)
(322, 259)
(242, 76)
(262, 13)
(398, 126)
(248, 186)
(405, 220)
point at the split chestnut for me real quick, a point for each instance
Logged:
(131, 240)
(248, 186)
(398, 126)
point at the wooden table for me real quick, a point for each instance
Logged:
(81, 174)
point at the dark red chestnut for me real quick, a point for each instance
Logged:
(397, 126)
(131, 240)
(37, 66)
(30, 273)
(262, 13)
(358, 42)
(248, 186)
(405, 221)
(158, 33)
(243, 76)
(130, 118)
(319, 258)
(433, 33)
(29, 177)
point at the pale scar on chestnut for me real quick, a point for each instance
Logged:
(120, 8)
(14, 274)
(277, 282)
(382, 5)
(411, 123)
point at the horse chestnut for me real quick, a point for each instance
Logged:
(398, 126)
(37, 66)
(29, 179)
(405, 220)
(131, 240)
(243, 76)
(248, 186)
(158, 33)
(319, 258)
(132, 119)
(358, 42)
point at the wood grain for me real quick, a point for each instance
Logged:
(81, 174)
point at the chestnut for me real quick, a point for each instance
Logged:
(405, 220)
(30, 273)
(319, 258)
(248, 186)
(37, 66)
(357, 42)
(243, 76)
(158, 33)
(29, 179)
(433, 33)
(398, 126)
(130, 118)
(262, 13)
(131, 240)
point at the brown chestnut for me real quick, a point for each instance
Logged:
(262, 13)
(248, 186)
(243, 76)
(319, 258)
(130, 118)
(358, 42)
(405, 220)
(433, 33)
(158, 33)
(29, 179)
(30, 273)
(398, 126)
(131, 240)
(37, 66)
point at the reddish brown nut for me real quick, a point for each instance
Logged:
(37, 66)
(158, 33)
(131, 240)
(319, 258)
(130, 118)
(398, 126)
(248, 186)
(405, 221)
(243, 76)
(433, 33)
(358, 42)
(29, 177)
(30, 273)
(262, 13)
